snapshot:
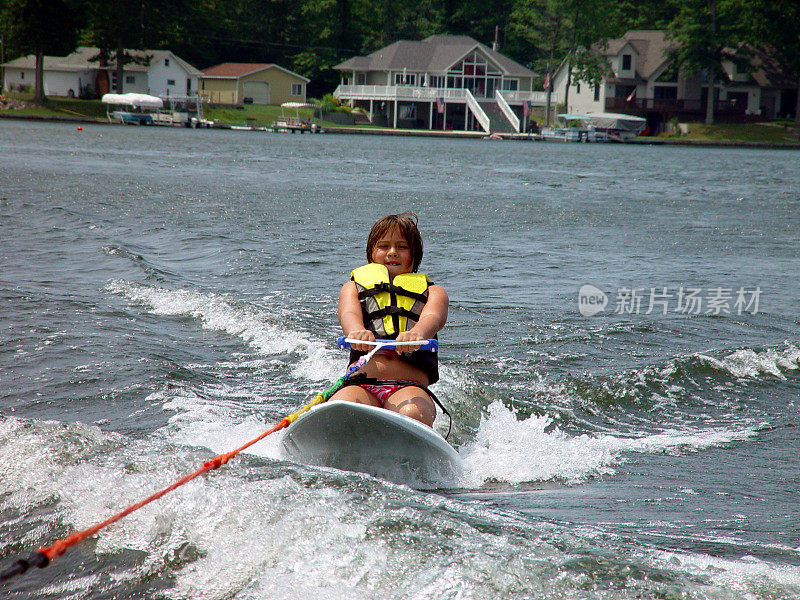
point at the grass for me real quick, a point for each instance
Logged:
(73, 107)
(57, 107)
(776, 133)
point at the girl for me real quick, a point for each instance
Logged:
(388, 299)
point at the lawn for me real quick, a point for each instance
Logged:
(778, 132)
(72, 107)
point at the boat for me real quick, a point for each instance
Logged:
(594, 127)
(286, 122)
(137, 102)
(367, 439)
(150, 110)
(616, 126)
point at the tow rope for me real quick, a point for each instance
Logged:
(43, 556)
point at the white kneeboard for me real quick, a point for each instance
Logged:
(368, 439)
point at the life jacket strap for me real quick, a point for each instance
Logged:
(392, 289)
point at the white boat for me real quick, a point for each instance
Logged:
(138, 102)
(367, 439)
(286, 122)
(595, 127)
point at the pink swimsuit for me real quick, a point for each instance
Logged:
(381, 392)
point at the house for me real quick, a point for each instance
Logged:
(643, 81)
(252, 83)
(441, 82)
(83, 73)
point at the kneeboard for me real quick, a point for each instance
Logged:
(367, 439)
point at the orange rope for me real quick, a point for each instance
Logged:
(42, 557)
(61, 546)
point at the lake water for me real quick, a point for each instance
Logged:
(169, 294)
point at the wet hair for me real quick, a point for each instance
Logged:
(406, 224)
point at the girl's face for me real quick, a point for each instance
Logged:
(393, 251)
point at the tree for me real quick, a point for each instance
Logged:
(42, 27)
(774, 27)
(706, 33)
(566, 32)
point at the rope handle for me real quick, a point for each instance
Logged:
(431, 344)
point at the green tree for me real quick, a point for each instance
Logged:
(566, 32)
(41, 27)
(707, 33)
(774, 27)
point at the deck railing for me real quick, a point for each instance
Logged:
(476, 109)
(410, 93)
(645, 104)
(512, 118)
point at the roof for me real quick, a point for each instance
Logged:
(650, 44)
(87, 57)
(436, 53)
(237, 70)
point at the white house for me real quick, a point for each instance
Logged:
(82, 73)
(441, 82)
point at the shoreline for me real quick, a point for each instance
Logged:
(457, 134)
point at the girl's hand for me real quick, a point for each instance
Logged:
(361, 334)
(409, 336)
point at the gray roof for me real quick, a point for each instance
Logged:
(435, 54)
(85, 58)
(650, 44)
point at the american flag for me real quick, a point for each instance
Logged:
(546, 83)
(440, 105)
(631, 97)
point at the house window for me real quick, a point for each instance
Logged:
(511, 84)
(130, 79)
(626, 62)
(597, 92)
(361, 79)
(170, 82)
(166, 62)
(407, 79)
(22, 75)
(665, 92)
(297, 89)
(436, 81)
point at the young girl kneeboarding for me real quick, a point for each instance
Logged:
(388, 299)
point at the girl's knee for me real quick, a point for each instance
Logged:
(414, 403)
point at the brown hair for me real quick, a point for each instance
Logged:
(406, 224)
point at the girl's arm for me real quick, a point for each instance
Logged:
(432, 319)
(351, 318)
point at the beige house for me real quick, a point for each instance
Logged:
(642, 80)
(252, 83)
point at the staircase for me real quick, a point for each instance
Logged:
(498, 120)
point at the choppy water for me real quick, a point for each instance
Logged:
(169, 294)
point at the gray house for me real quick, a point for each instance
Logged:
(642, 80)
(441, 82)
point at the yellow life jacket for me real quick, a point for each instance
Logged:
(390, 307)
